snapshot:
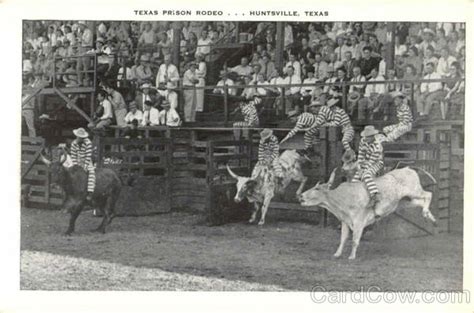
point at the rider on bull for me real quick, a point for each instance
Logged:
(268, 153)
(81, 154)
(370, 158)
(305, 121)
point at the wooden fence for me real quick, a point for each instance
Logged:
(185, 167)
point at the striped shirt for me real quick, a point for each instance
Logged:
(268, 150)
(370, 153)
(305, 120)
(404, 115)
(250, 113)
(325, 115)
(81, 153)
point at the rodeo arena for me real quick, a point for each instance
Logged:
(242, 155)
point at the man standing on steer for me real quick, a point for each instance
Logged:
(370, 158)
(81, 154)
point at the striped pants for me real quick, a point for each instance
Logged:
(277, 168)
(393, 132)
(238, 132)
(367, 175)
(309, 137)
(347, 136)
(90, 169)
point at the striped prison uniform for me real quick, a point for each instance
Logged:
(81, 154)
(268, 153)
(249, 112)
(308, 121)
(405, 120)
(370, 159)
(341, 119)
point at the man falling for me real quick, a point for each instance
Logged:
(370, 160)
(81, 154)
(306, 121)
(404, 116)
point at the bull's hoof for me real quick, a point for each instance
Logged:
(68, 233)
(337, 255)
(261, 223)
(352, 257)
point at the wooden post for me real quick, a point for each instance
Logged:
(176, 26)
(390, 46)
(280, 38)
(237, 32)
(226, 105)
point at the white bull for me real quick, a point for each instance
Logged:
(260, 190)
(349, 201)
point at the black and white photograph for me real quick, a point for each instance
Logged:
(274, 150)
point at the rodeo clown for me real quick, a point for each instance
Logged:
(305, 121)
(249, 111)
(404, 116)
(268, 153)
(370, 158)
(81, 154)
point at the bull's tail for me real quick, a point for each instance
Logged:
(419, 169)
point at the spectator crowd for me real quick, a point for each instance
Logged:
(141, 81)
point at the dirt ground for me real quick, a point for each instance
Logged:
(176, 251)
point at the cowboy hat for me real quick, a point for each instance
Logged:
(332, 102)
(266, 133)
(429, 31)
(396, 94)
(132, 105)
(315, 103)
(144, 58)
(99, 39)
(80, 132)
(292, 113)
(165, 105)
(348, 156)
(353, 96)
(369, 130)
(145, 85)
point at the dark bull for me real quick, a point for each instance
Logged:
(73, 181)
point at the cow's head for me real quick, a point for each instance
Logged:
(313, 196)
(56, 169)
(245, 185)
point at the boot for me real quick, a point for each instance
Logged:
(372, 205)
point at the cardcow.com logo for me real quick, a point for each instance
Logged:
(375, 294)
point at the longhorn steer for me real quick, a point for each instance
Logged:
(261, 189)
(349, 201)
(73, 180)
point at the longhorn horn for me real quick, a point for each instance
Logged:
(332, 177)
(231, 172)
(45, 160)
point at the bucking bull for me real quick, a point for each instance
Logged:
(348, 202)
(73, 180)
(261, 189)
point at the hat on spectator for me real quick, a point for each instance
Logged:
(83, 23)
(332, 102)
(165, 105)
(192, 63)
(145, 85)
(315, 103)
(80, 132)
(223, 73)
(396, 94)
(144, 58)
(369, 130)
(100, 39)
(266, 133)
(292, 113)
(132, 105)
(429, 31)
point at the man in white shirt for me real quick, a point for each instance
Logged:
(292, 93)
(134, 114)
(373, 96)
(243, 69)
(106, 118)
(170, 96)
(225, 81)
(168, 116)
(320, 67)
(307, 92)
(150, 115)
(203, 44)
(430, 92)
(295, 64)
(444, 62)
(166, 73)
